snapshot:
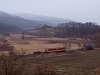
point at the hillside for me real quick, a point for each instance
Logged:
(44, 19)
(71, 29)
(77, 29)
(8, 28)
(7, 18)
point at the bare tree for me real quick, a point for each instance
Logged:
(23, 35)
(67, 46)
(80, 45)
(13, 64)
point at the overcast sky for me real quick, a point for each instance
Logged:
(77, 10)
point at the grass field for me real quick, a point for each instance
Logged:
(83, 63)
(87, 63)
(34, 43)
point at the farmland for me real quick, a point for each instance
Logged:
(35, 43)
(87, 63)
(82, 63)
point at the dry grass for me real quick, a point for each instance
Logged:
(87, 63)
(33, 43)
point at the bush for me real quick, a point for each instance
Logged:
(96, 39)
(13, 64)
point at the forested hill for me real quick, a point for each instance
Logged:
(76, 29)
(44, 19)
(8, 28)
(7, 18)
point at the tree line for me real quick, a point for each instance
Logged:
(75, 29)
(71, 29)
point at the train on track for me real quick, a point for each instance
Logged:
(62, 49)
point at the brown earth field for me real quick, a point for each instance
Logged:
(87, 63)
(35, 43)
(83, 63)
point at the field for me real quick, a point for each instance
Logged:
(87, 63)
(82, 63)
(35, 43)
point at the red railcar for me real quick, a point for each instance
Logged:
(55, 49)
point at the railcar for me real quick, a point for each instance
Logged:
(55, 49)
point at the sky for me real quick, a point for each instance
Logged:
(77, 10)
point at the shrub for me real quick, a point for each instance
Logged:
(13, 64)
